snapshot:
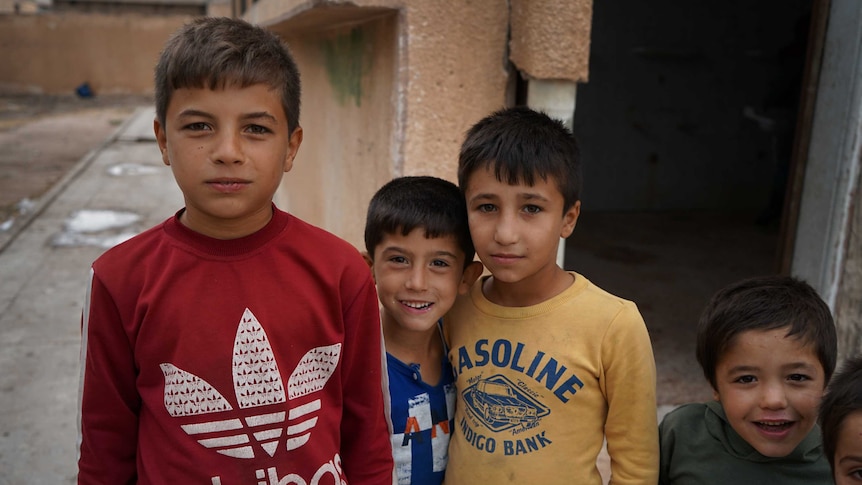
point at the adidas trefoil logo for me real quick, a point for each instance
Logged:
(257, 382)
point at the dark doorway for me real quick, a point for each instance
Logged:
(686, 127)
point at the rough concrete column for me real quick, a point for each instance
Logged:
(827, 246)
(557, 99)
(550, 39)
(848, 301)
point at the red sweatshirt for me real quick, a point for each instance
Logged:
(249, 361)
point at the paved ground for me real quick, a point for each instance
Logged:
(119, 186)
(43, 138)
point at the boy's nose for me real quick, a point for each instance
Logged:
(416, 281)
(773, 397)
(505, 232)
(228, 149)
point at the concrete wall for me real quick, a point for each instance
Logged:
(551, 39)
(348, 121)
(389, 90)
(54, 53)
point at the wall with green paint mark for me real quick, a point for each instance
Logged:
(348, 118)
(347, 61)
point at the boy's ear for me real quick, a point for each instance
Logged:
(292, 148)
(162, 140)
(570, 219)
(370, 263)
(470, 275)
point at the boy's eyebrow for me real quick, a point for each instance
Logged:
(484, 196)
(446, 253)
(194, 112)
(399, 249)
(522, 195)
(742, 368)
(800, 365)
(850, 458)
(790, 366)
(531, 195)
(258, 115)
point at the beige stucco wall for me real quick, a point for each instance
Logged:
(54, 53)
(431, 69)
(347, 119)
(421, 91)
(551, 38)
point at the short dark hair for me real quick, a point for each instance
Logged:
(522, 144)
(215, 52)
(405, 203)
(843, 397)
(765, 303)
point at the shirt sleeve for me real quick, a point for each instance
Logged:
(631, 428)
(365, 449)
(109, 403)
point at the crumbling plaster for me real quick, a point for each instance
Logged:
(551, 38)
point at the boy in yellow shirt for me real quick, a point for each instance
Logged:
(548, 365)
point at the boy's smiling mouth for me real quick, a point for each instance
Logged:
(416, 305)
(774, 426)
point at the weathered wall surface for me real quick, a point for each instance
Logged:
(54, 53)
(428, 71)
(848, 301)
(347, 118)
(551, 38)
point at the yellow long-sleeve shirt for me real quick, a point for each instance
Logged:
(539, 387)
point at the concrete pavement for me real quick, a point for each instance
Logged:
(117, 190)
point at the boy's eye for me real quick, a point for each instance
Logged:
(798, 377)
(532, 209)
(439, 263)
(486, 208)
(745, 379)
(398, 260)
(258, 130)
(199, 126)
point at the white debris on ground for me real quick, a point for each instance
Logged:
(23, 207)
(132, 169)
(100, 228)
(99, 220)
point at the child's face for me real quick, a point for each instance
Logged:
(848, 451)
(418, 278)
(516, 228)
(228, 149)
(770, 387)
